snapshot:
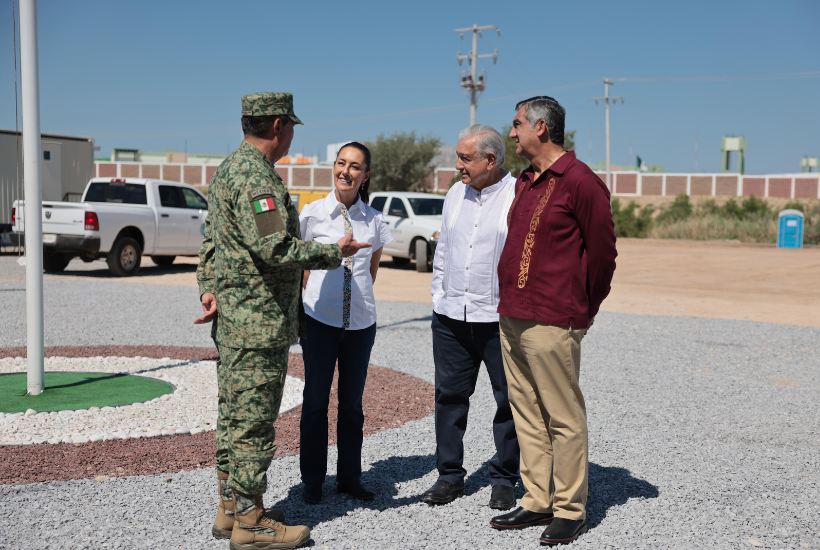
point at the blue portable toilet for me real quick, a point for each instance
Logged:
(790, 229)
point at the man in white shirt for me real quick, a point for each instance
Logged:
(465, 321)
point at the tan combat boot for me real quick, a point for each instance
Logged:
(223, 525)
(255, 531)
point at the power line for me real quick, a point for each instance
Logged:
(519, 60)
(515, 74)
(432, 110)
(566, 88)
(737, 78)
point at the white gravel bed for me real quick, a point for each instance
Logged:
(190, 408)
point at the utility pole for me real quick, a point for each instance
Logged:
(30, 85)
(474, 82)
(607, 99)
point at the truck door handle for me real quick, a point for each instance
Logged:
(164, 215)
(194, 217)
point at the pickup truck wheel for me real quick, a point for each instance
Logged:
(124, 258)
(421, 256)
(55, 262)
(400, 261)
(163, 260)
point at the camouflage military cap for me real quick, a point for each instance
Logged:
(269, 103)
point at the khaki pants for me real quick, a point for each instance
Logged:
(543, 364)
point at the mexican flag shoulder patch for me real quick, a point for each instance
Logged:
(268, 218)
(263, 205)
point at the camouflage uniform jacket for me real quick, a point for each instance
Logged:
(252, 256)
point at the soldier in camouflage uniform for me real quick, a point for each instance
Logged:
(249, 276)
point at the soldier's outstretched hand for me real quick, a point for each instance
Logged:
(209, 309)
(350, 246)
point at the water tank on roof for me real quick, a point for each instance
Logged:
(790, 229)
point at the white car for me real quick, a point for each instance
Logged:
(121, 219)
(414, 220)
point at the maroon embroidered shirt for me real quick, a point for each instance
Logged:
(559, 257)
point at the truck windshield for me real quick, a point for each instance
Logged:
(427, 207)
(120, 192)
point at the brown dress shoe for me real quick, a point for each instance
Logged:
(223, 524)
(255, 531)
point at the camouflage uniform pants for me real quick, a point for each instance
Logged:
(251, 382)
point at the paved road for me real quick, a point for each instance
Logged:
(703, 434)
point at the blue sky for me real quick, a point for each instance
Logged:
(151, 75)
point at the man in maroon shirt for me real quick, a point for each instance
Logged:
(553, 274)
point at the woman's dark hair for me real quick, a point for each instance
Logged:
(365, 184)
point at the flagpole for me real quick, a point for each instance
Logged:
(30, 87)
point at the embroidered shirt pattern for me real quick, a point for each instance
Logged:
(530, 240)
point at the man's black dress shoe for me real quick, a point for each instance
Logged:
(356, 490)
(312, 493)
(503, 497)
(563, 531)
(518, 518)
(442, 492)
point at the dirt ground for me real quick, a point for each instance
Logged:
(687, 278)
(662, 277)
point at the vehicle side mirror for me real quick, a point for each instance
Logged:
(398, 213)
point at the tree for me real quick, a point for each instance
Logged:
(401, 161)
(515, 163)
(569, 140)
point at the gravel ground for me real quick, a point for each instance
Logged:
(391, 399)
(703, 434)
(190, 408)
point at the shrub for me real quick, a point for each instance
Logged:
(717, 226)
(709, 207)
(731, 210)
(811, 220)
(680, 209)
(755, 207)
(794, 205)
(630, 224)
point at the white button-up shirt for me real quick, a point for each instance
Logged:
(322, 221)
(473, 231)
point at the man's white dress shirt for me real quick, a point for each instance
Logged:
(322, 221)
(473, 231)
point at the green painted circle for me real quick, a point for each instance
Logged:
(78, 390)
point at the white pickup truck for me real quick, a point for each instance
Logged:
(121, 219)
(414, 220)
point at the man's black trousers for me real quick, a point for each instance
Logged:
(459, 347)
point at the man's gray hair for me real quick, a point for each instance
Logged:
(550, 111)
(489, 140)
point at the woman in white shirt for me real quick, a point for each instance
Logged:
(340, 313)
